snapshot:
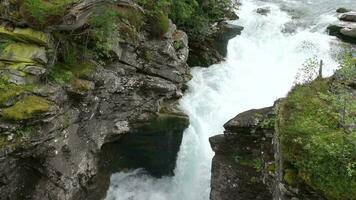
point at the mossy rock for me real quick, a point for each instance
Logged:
(25, 35)
(8, 91)
(23, 53)
(27, 108)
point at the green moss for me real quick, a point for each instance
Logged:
(148, 55)
(290, 176)
(255, 163)
(271, 167)
(312, 123)
(10, 90)
(42, 11)
(3, 141)
(268, 123)
(21, 53)
(62, 73)
(25, 131)
(178, 45)
(27, 108)
(25, 35)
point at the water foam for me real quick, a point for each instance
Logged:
(260, 67)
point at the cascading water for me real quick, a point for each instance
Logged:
(260, 67)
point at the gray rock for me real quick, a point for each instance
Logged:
(34, 70)
(64, 155)
(348, 16)
(263, 11)
(349, 31)
(342, 10)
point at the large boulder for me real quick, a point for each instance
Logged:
(242, 165)
(344, 29)
(348, 16)
(342, 10)
(248, 162)
(349, 31)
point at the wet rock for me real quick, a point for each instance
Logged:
(152, 146)
(263, 11)
(342, 10)
(343, 30)
(240, 165)
(348, 16)
(213, 48)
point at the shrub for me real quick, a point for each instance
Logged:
(159, 24)
(190, 15)
(42, 10)
(314, 139)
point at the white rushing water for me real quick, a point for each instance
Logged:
(260, 67)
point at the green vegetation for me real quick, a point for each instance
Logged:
(159, 24)
(63, 73)
(27, 108)
(256, 163)
(43, 11)
(317, 135)
(21, 135)
(103, 28)
(10, 90)
(190, 15)
(290, 176)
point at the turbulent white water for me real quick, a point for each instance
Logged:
(260, 67)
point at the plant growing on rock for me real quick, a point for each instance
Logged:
(314, 140)
(43, 11)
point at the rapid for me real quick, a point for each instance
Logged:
(261, 66)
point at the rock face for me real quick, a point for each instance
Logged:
(345, 29)
(248, 162)
(211, 48)
(243, 164)
(56, 145)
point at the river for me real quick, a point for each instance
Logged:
(260, 67)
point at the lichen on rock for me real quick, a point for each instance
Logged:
(26, 108)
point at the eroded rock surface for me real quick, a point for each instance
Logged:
(248, 163)
(52, 135)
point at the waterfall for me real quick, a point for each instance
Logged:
(260, 67)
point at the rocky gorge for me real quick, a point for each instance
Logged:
(288, 151)
(91, 89)
(82, 97)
